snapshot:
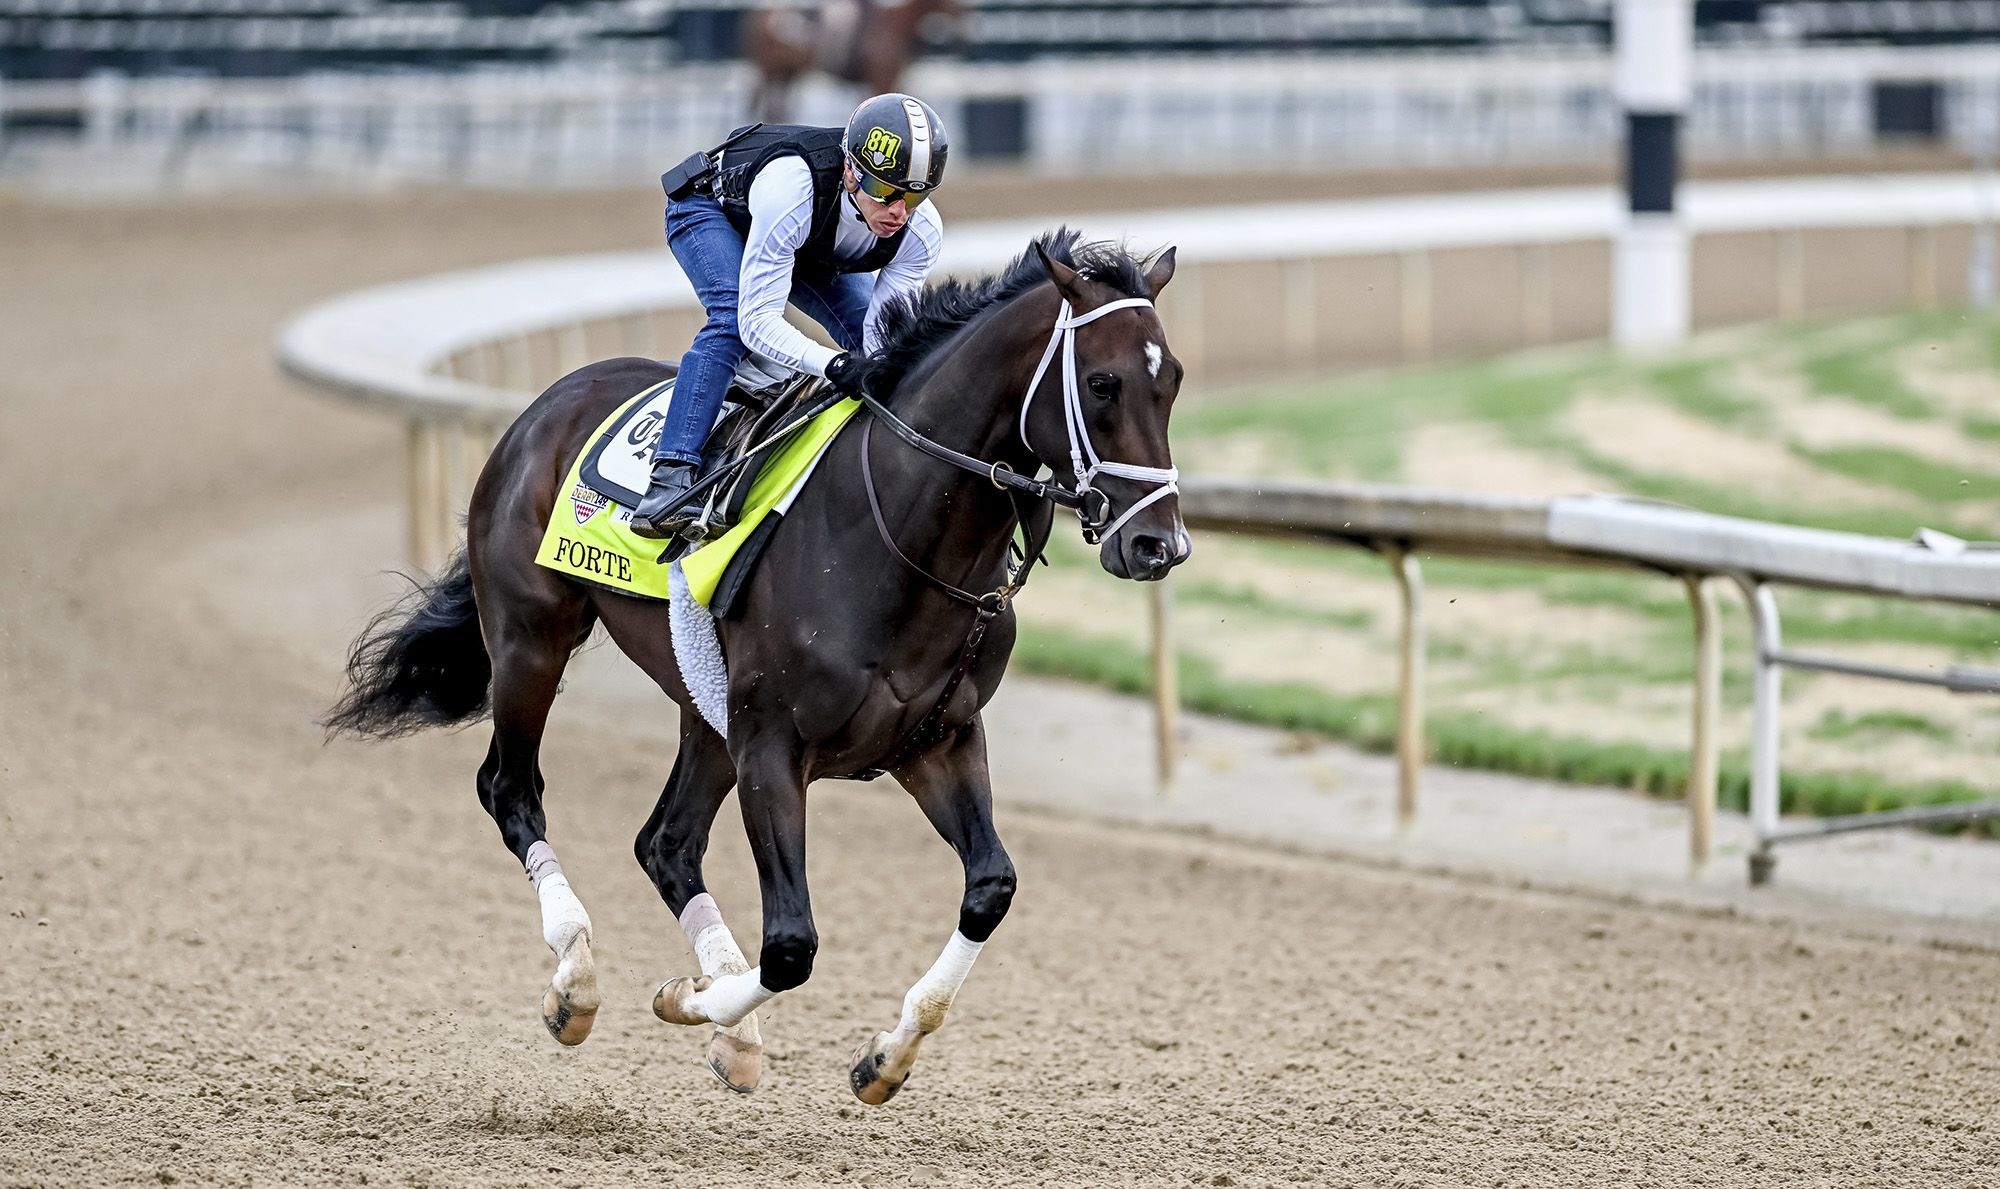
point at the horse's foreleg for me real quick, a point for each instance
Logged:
(528, 661)
(951, 785)
(670, 847)
(771, 788)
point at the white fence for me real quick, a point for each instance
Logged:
(1696, 548)
(458, 355)
(574, 126)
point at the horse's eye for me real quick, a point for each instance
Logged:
(1103, 386)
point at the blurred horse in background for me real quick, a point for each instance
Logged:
(867, 42)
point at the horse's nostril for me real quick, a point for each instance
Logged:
(1151, 550)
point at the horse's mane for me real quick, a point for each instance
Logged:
(915, 325)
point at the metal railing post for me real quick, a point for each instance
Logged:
(516, 364)
(1166, 688)
(1707, 707)
(420, 461)
(1409, 683)
(572, 348)
(1763, 728)
(455, 493)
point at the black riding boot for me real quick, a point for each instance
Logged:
(672, 479)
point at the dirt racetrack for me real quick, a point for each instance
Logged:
(230, 955)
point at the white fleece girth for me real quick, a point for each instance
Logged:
(698, 652)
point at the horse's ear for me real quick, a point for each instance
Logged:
(1065, 277)
(1161, 272)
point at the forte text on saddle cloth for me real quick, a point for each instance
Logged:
(590, 535)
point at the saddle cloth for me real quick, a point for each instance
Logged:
(590, 537)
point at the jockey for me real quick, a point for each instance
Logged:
(784, 212)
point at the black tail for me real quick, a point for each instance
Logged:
(419, 664)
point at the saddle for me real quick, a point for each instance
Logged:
(759, 456)
(619, 463)
(748, 422)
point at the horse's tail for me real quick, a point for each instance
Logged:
(421, 663)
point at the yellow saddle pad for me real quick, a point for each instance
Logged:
(590, 534)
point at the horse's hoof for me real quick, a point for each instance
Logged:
(569, 1006)
(735, 1063)
(567, 1020)
(871, 1078)
(674, 1001)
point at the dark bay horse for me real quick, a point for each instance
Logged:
(839, 651)
(869, 42)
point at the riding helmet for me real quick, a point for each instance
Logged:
(899, 142)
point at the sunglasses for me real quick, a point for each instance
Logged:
(882, 191)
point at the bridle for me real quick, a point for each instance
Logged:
(1091, 505)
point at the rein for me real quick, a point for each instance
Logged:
(1090, 503)
(1002, 475)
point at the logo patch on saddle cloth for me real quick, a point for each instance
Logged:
(589, 535)
(587, 503)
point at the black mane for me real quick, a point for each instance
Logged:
(914, 326)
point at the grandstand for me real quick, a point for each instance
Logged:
(123, 96)
(58, 39)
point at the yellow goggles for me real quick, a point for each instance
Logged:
(882, 191)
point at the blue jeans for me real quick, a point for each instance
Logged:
(710, 252)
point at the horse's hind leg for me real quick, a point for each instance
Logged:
(951, 785)
(530, 629)
(670, 847)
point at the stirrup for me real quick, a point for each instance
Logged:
(659, 525)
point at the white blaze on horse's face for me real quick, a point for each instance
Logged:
(1153, 357)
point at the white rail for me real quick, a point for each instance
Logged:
(458, 355)
(1695, 547)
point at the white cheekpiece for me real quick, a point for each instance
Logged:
(925, 1005)
(563, 916)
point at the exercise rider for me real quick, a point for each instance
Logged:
(784, 212)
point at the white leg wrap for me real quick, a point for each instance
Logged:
(563, 916)
(732, 997)
(715, 948)
(925, 1006)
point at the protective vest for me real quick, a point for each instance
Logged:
(749, 150)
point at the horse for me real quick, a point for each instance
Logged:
(868, 42)
(858, 640)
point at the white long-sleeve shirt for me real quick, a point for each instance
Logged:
(781, 205)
